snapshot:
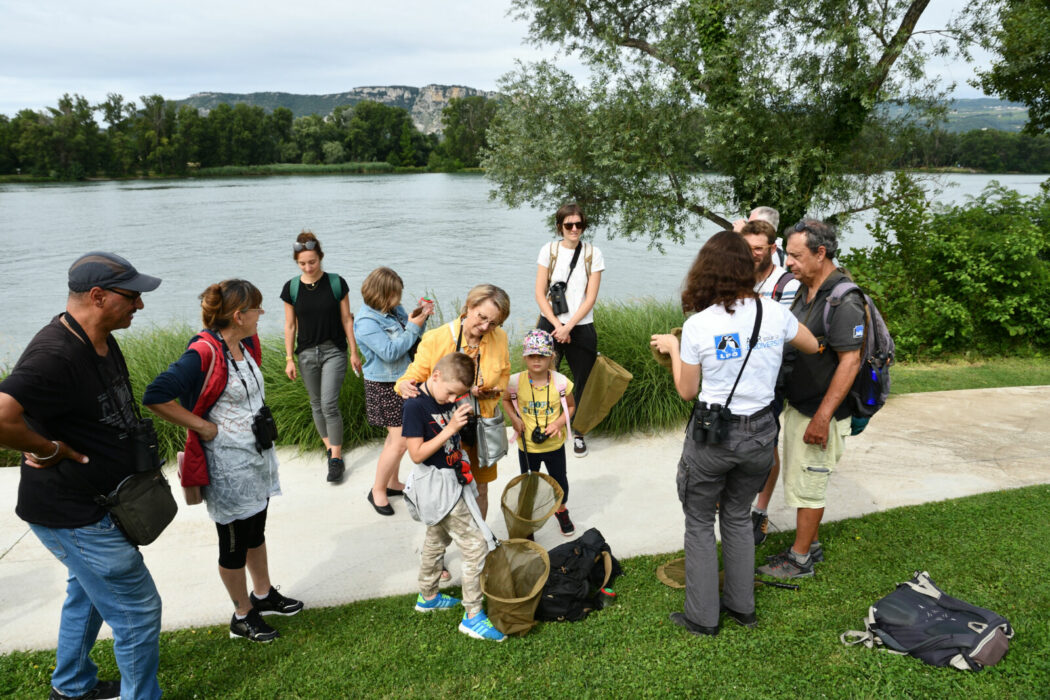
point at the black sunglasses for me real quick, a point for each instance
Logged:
(134, 296)
(575, 224)
(308, 245)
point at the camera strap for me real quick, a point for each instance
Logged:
(750, 347)
(237, 370)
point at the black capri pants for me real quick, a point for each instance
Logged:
(237, 537)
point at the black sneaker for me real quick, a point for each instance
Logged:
(565, 522)
(746, 619)
(275, 604)
(252, 627)
(102, 691)
(760, 524)
(335, 470)
(579, 447)
(682, 621)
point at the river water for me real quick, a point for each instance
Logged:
(439, 231)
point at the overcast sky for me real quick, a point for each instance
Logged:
(137, 47)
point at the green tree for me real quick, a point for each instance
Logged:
(1021, 39)
(8, 159)
(75, 140)
(464, 125)
(119, 152)
(772, 94)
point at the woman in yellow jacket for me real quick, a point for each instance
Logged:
(477, 333)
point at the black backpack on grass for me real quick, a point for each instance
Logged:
(579, 569)
(923, 621)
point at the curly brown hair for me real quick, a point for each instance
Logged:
(723, 272)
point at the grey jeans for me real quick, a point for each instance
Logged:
(726, 476)
(323, 368)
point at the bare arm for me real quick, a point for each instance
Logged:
(593, 283)
(347, 320)
(817, 430)
(686, 376)
(555, 427)
(16, 434)
(290, 327)
(419, 450)
(173, 412)
(805, 341)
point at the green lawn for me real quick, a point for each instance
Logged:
(988, 549)
(962, 374)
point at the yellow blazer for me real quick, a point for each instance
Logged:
(440, 341)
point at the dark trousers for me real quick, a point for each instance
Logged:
(580, 354)
(555, 461)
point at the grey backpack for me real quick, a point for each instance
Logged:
(921, 620)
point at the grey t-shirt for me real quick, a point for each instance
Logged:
(807, 377)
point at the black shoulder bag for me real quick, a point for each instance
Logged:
(711, 423)
(141, 505)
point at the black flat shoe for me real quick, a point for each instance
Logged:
(382, 510)
(390, 493)
(747, 620)
(682, 621)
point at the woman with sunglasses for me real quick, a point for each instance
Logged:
(477, 333)
(568, 275)
(319, 327)
(229, 460)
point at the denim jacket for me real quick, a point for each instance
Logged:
(384, 341)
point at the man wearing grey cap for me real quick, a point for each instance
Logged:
(68, 407)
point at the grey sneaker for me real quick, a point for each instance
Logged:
(579, 447)
(103, 690)
(760, 524)
(785, 566)
(253, 628)
(816, 553)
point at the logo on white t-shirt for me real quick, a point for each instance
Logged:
(727, 346)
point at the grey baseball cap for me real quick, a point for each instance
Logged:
(107, 270)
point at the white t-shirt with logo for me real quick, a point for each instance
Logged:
(718, 342)
(766, 287)
(576, 291)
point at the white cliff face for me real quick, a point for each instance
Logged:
(424, 104)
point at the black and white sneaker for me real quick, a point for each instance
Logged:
(579, 447)
(275, 604)
(253, 628)
(565, 522)
(103, 690)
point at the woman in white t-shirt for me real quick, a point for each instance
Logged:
(568, 275)
(722, 472)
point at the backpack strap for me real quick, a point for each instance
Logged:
(293, 289)
(554, 246)
(333, 282)
(561, 383)
(781, 285)
(841, 289)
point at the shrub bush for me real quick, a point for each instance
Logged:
(973, 278)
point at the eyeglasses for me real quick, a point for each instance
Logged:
(760, 248)
(574, 224)
(134, 296)
(308, 245)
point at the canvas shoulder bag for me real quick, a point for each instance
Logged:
(491, 443)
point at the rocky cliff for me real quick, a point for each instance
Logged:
(424, 104)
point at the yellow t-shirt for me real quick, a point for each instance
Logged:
(540, 407)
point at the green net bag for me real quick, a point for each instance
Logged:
(529, 500)
(513, 578)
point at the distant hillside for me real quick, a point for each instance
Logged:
(424, 104)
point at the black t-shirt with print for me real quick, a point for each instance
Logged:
(317, 313)
(809, 376)
(69, 393)
(426, 418)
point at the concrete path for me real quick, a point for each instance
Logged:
(327, 546)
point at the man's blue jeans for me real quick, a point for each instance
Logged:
(108, 580)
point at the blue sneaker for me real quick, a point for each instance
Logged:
(438, 602)
(480, 627)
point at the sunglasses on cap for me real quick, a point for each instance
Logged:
(308, 245)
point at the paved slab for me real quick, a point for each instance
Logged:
(327, 546)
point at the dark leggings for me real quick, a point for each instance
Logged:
(237, 537)
(580, 354)
(555, 461)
